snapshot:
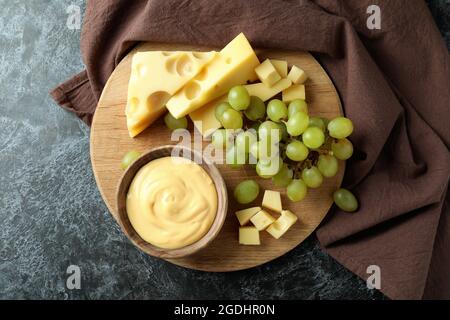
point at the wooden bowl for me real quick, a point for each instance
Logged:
(127, 178)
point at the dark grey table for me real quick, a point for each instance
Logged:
(51, 212)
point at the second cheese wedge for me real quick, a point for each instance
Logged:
(235, 64)
(155, 77)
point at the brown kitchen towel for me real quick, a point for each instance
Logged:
(394, 83)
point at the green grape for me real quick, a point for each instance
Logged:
(268, 168)
(232, 119)
(313, 137)
(345, 200)
(173, 123)
(244, 140)
(220, 109)
(342, 149)
(246, 191)
(269, 129)
(277, 110)
(297, 123)
(317, 122)
(298, 105)
(284, 177)
(221, 137)
(284, 132)
(312, 177)
(340, 127)
(239, 98)
(296, 151)
(296, 190)
(327, 165)
(256, 109)
(235, 158)
(129, 158)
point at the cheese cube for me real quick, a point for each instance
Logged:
(235, 64)
(205, 118)
(267, 73)
(155, 77)
(272, 200)
(249, 236)
(282, 224)
(281, 66)
(262, 220)
(245, 215)
(294, 92)
(297, 75)
(264, 92)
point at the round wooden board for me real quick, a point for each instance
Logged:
(110, 141)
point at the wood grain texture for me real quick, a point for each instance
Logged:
(127, 178)
(110, 141)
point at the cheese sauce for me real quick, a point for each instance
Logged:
(171, 202)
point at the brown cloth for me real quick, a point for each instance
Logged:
(394, 84)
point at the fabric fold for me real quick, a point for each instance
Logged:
(76, 95)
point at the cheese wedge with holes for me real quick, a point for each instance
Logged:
(155, 77)
(264, 92)
(235, 64)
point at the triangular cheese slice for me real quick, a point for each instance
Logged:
(235, 64)
(155, 77)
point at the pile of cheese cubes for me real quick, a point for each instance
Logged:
(263, 220)
(275, 78)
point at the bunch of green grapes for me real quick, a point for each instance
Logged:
(284, 143)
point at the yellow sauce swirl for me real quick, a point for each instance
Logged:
(171, 202)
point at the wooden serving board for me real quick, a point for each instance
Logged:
(110, 141)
